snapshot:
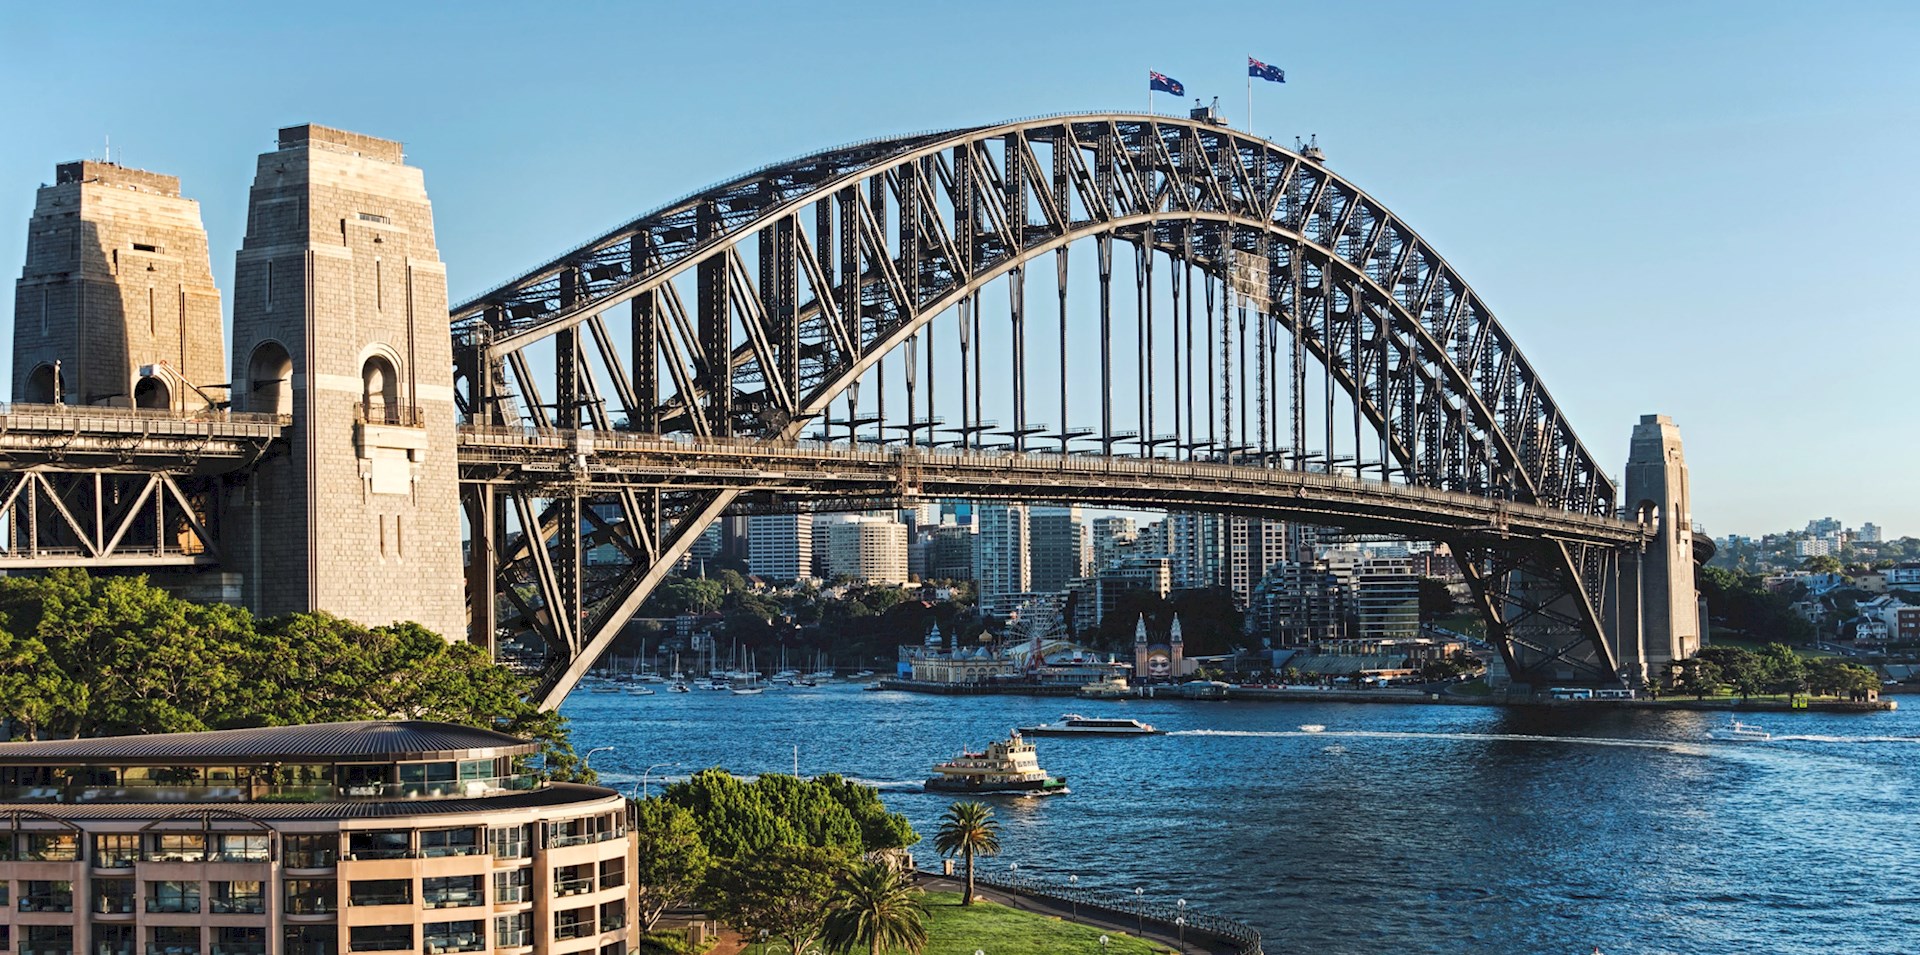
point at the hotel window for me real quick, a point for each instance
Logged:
(238, 898)
(450, 892)
(573, 923)
(380, 844)
(240, 847)
(177, 847)
(466, 936)
(175, 940)
(311, 940)
(46, 938)
(513, 931)
(311, 851)
(512, 886)
(51, 847)
(111, 939)
(613, 915)
(239, 940)
(380, 938)
(39, 896)
(613, 873)
(173, 897)
(311, 896)
(118, 850)
(113, 896)
(380, 892)
(510, 843)
(573, 880)
(435, 843)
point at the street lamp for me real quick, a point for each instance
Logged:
(1140, 906)
(586, 762)
(1073, 884)
(649, 772)
(1180, 922)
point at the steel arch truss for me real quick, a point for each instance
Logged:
(755, 303)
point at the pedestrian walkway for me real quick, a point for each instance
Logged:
(1084, 915)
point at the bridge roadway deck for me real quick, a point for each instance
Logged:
(822, 472)
(76, 437)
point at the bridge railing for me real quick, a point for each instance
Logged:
(581, 442)
(80, 414)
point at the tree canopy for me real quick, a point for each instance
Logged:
(739, 819)
(82, 655)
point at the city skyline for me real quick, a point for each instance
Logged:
(1562, 174)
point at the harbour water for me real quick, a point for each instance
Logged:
(1399, 828)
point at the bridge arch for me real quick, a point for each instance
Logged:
(777, 325)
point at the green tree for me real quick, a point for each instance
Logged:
(1781, 669)
(877, 910)
(672, 861)
(1736, 667)
(786, 891)
(1822, 564)
(1436, 600)
(968, 829)
(879, 829)
(1833, 677)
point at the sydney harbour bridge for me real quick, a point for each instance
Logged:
(1119, 310)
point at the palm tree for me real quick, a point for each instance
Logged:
(967, 830)
(877, 910)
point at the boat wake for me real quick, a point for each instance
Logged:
(1816, 738)
(1676, 746)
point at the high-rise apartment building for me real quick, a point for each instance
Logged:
(1056, 544)
(1001, 557)
(780, 546)
(1112, 536)
(865, 547)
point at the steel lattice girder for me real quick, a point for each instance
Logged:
(906, 228)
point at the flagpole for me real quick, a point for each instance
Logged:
(1249, 101)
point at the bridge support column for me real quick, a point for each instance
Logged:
(339, 292)
(1656, 491)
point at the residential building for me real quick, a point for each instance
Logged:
(1112, 537)
(308, 840)
(1296, 604)
(1056, 544)
(867, 548)
(1152, 575)
(1001, 557)
(1903, 576)
(949, 553)
(1386, 599)
(1253, 545)
(1871, 533)
(780, 546)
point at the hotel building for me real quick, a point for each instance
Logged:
(306, 840)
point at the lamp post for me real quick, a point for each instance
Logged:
(649, 772)
(1073, 892)
(586, 762)
(1140, 906)
(1180, 922)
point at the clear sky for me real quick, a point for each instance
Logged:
(1701, 209)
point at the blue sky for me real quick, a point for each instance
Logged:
(1701, 209)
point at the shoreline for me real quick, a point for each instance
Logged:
(1305, 695)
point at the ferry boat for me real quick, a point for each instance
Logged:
(1008, 766)
(1073, 724)
(1741, 733)
(1115, 688)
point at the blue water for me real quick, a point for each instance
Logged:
(1400, 829)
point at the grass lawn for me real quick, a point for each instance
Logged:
(953, 929)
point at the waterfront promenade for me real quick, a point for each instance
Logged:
(1194, 941)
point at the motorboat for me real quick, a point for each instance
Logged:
(1073, 724)
(1313, 728)
(1740, 733)
(747, 690)
(1115, 688)
(679, 688)
(640, 690)
(1007, 766)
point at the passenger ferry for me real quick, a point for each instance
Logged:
(1005, 767)
(1741, 733)
(1075, 725)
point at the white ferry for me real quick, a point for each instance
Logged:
(1073, 724)
(1741, 733)
(1005, 767)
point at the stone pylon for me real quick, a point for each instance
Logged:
(1657, 618)
(340, 321)
(116, 305)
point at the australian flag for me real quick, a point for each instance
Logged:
(1163, 83)
(1261, 71)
